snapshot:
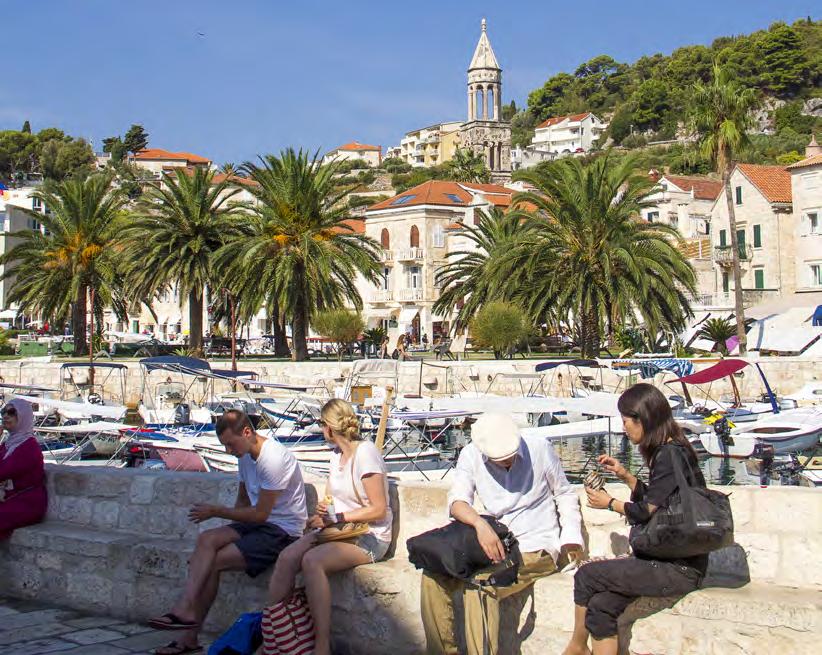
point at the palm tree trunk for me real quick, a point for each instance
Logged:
(739, 307)
(589, 334)
(78, 322)
(299, 327)
(281, 348)
(195, 321)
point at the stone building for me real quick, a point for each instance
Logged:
(485, 132)
(806, 191)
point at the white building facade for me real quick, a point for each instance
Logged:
(355, 150)
(562, 135)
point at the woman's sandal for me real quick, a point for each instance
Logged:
(172, 622)
(178, 649)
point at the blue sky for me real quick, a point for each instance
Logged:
(268, 73)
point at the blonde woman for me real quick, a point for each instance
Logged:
(358, 484)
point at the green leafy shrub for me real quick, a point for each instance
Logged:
(340, 325)
(499, 326)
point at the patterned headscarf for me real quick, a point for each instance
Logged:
(25, 425)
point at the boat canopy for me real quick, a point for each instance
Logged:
(232, 375)
(175, 363)
(93, 365)
(716, 372)
(582, 363)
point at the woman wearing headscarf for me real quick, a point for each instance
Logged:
(23, 499)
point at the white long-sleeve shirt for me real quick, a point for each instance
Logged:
(533, 498)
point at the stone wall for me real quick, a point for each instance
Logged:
(117, 542)
(785, 374)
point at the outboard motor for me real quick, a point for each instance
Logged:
(722, 429)
(182, 414)
(765, 453)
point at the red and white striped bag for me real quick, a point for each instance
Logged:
(288, 628)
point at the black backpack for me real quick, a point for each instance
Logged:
(696, 521)
(455, 551)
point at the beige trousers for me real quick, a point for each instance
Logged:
(482, 607)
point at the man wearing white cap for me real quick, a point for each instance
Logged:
(520, 482)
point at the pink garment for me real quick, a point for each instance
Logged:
(26, 501)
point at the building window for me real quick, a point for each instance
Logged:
(385, 279)
(740, 243)
(739, 195)
(723, 238)
(653, 216)
(36, 204)
(759, 278)
(757, 236)
(414, 277)
(813, 223)
(816, 275)
(810, 181)
(385, 239)
(415, 237)
(725, 281)
(438, 237)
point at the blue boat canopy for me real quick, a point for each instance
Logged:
(586, 363)
(232, 375)
(175, 363)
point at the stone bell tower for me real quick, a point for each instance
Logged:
(485, 132)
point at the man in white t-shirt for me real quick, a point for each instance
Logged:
(268, 515)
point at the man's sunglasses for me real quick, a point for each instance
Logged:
(9, 411)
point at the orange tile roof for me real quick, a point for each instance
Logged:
(437, 192)
(704, 188)
(237, 179)
(816, 160)
(157, 153)
(356, 145)
(773, 181)
(357, 224)
(558, 119)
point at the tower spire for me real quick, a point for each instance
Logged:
(484, 56)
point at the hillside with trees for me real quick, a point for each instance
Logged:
(648, 100)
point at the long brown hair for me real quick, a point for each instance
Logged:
(646, 404)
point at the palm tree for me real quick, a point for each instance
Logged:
(718, 330)
(721, 116)
(229, 168)
(468, 166)
(297, 250)
(591, 256)
(171, 241)
(476, 275)
(71, 266)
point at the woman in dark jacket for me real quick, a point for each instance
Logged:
(603, 589)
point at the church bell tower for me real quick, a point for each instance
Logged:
(485, 132)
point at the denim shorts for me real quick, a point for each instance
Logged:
(375, 548)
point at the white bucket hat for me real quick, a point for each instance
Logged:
(496, 436)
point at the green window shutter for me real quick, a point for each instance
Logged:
(739, 195)
(757, 236)
(740, 243)
(722, 238)
(725, 282)
(759, 278)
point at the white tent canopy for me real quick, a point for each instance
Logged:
(8, 313)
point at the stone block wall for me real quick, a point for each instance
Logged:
(117, 542)
(785, 374)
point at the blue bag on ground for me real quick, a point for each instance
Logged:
(242, 638)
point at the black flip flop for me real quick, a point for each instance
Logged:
(174, 623)
(180, 650)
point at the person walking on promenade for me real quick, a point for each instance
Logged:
(520, 482)
(268, 516)
(358, 488)
(23, 497)
(603, 589)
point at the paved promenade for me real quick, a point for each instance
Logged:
(29, 628)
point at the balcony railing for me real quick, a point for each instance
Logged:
(726, 300)
(410, 255)
(409, 295)
(724, 255)
(382, 295)
(387, 256)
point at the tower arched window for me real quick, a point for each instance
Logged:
(385, 239)
(415, 237)
(479, 104)
(490, 102)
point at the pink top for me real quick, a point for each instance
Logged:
(23, 476)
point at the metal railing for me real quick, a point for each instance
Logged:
(724, 254)
(410, 254)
